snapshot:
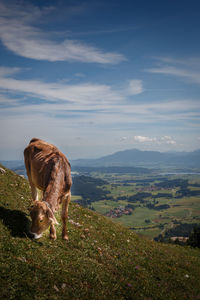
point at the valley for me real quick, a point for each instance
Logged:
(149, 204)
(147, 191)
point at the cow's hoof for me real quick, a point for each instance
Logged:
(65, 237)
(52, 236)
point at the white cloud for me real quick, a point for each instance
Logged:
(28, 41)
(167, 140)
(135, 87)
(143, 139)
(162, 140)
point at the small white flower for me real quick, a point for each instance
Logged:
(64, 286)
(56, 288)
(187, 276)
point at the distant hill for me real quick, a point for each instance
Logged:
(102, 260)
(135, 157)
(11, 164)
(127, 158)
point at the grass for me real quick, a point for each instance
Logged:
(102, 260)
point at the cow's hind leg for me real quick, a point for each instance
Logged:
(28, 170)
(64, 215)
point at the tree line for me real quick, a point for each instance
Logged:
(190, 231)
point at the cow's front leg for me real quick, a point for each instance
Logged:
(34, 192)
(52, 234)
(64, 215)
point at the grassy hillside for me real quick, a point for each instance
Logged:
(102, 260)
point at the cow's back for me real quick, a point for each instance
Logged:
(40, 159)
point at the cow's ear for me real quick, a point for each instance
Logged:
(30, 207)
(51, 216)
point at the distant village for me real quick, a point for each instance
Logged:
(119, 211)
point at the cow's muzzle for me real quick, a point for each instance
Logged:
(35, 235)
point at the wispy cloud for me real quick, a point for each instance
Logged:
(6, 101)
(19, 34)
(191, 76)
(86, 93)
(187, 69)
(187, 61)
(91, 96)
(6, 71)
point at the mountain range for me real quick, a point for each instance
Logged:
(133, 158)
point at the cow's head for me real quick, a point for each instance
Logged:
(42, 217)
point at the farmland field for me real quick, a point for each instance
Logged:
(148, 204)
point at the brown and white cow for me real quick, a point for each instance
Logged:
(48, 170)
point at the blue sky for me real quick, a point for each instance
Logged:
(96, 77)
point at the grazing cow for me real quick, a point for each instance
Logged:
(48, 170)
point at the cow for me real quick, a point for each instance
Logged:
(49, 171)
